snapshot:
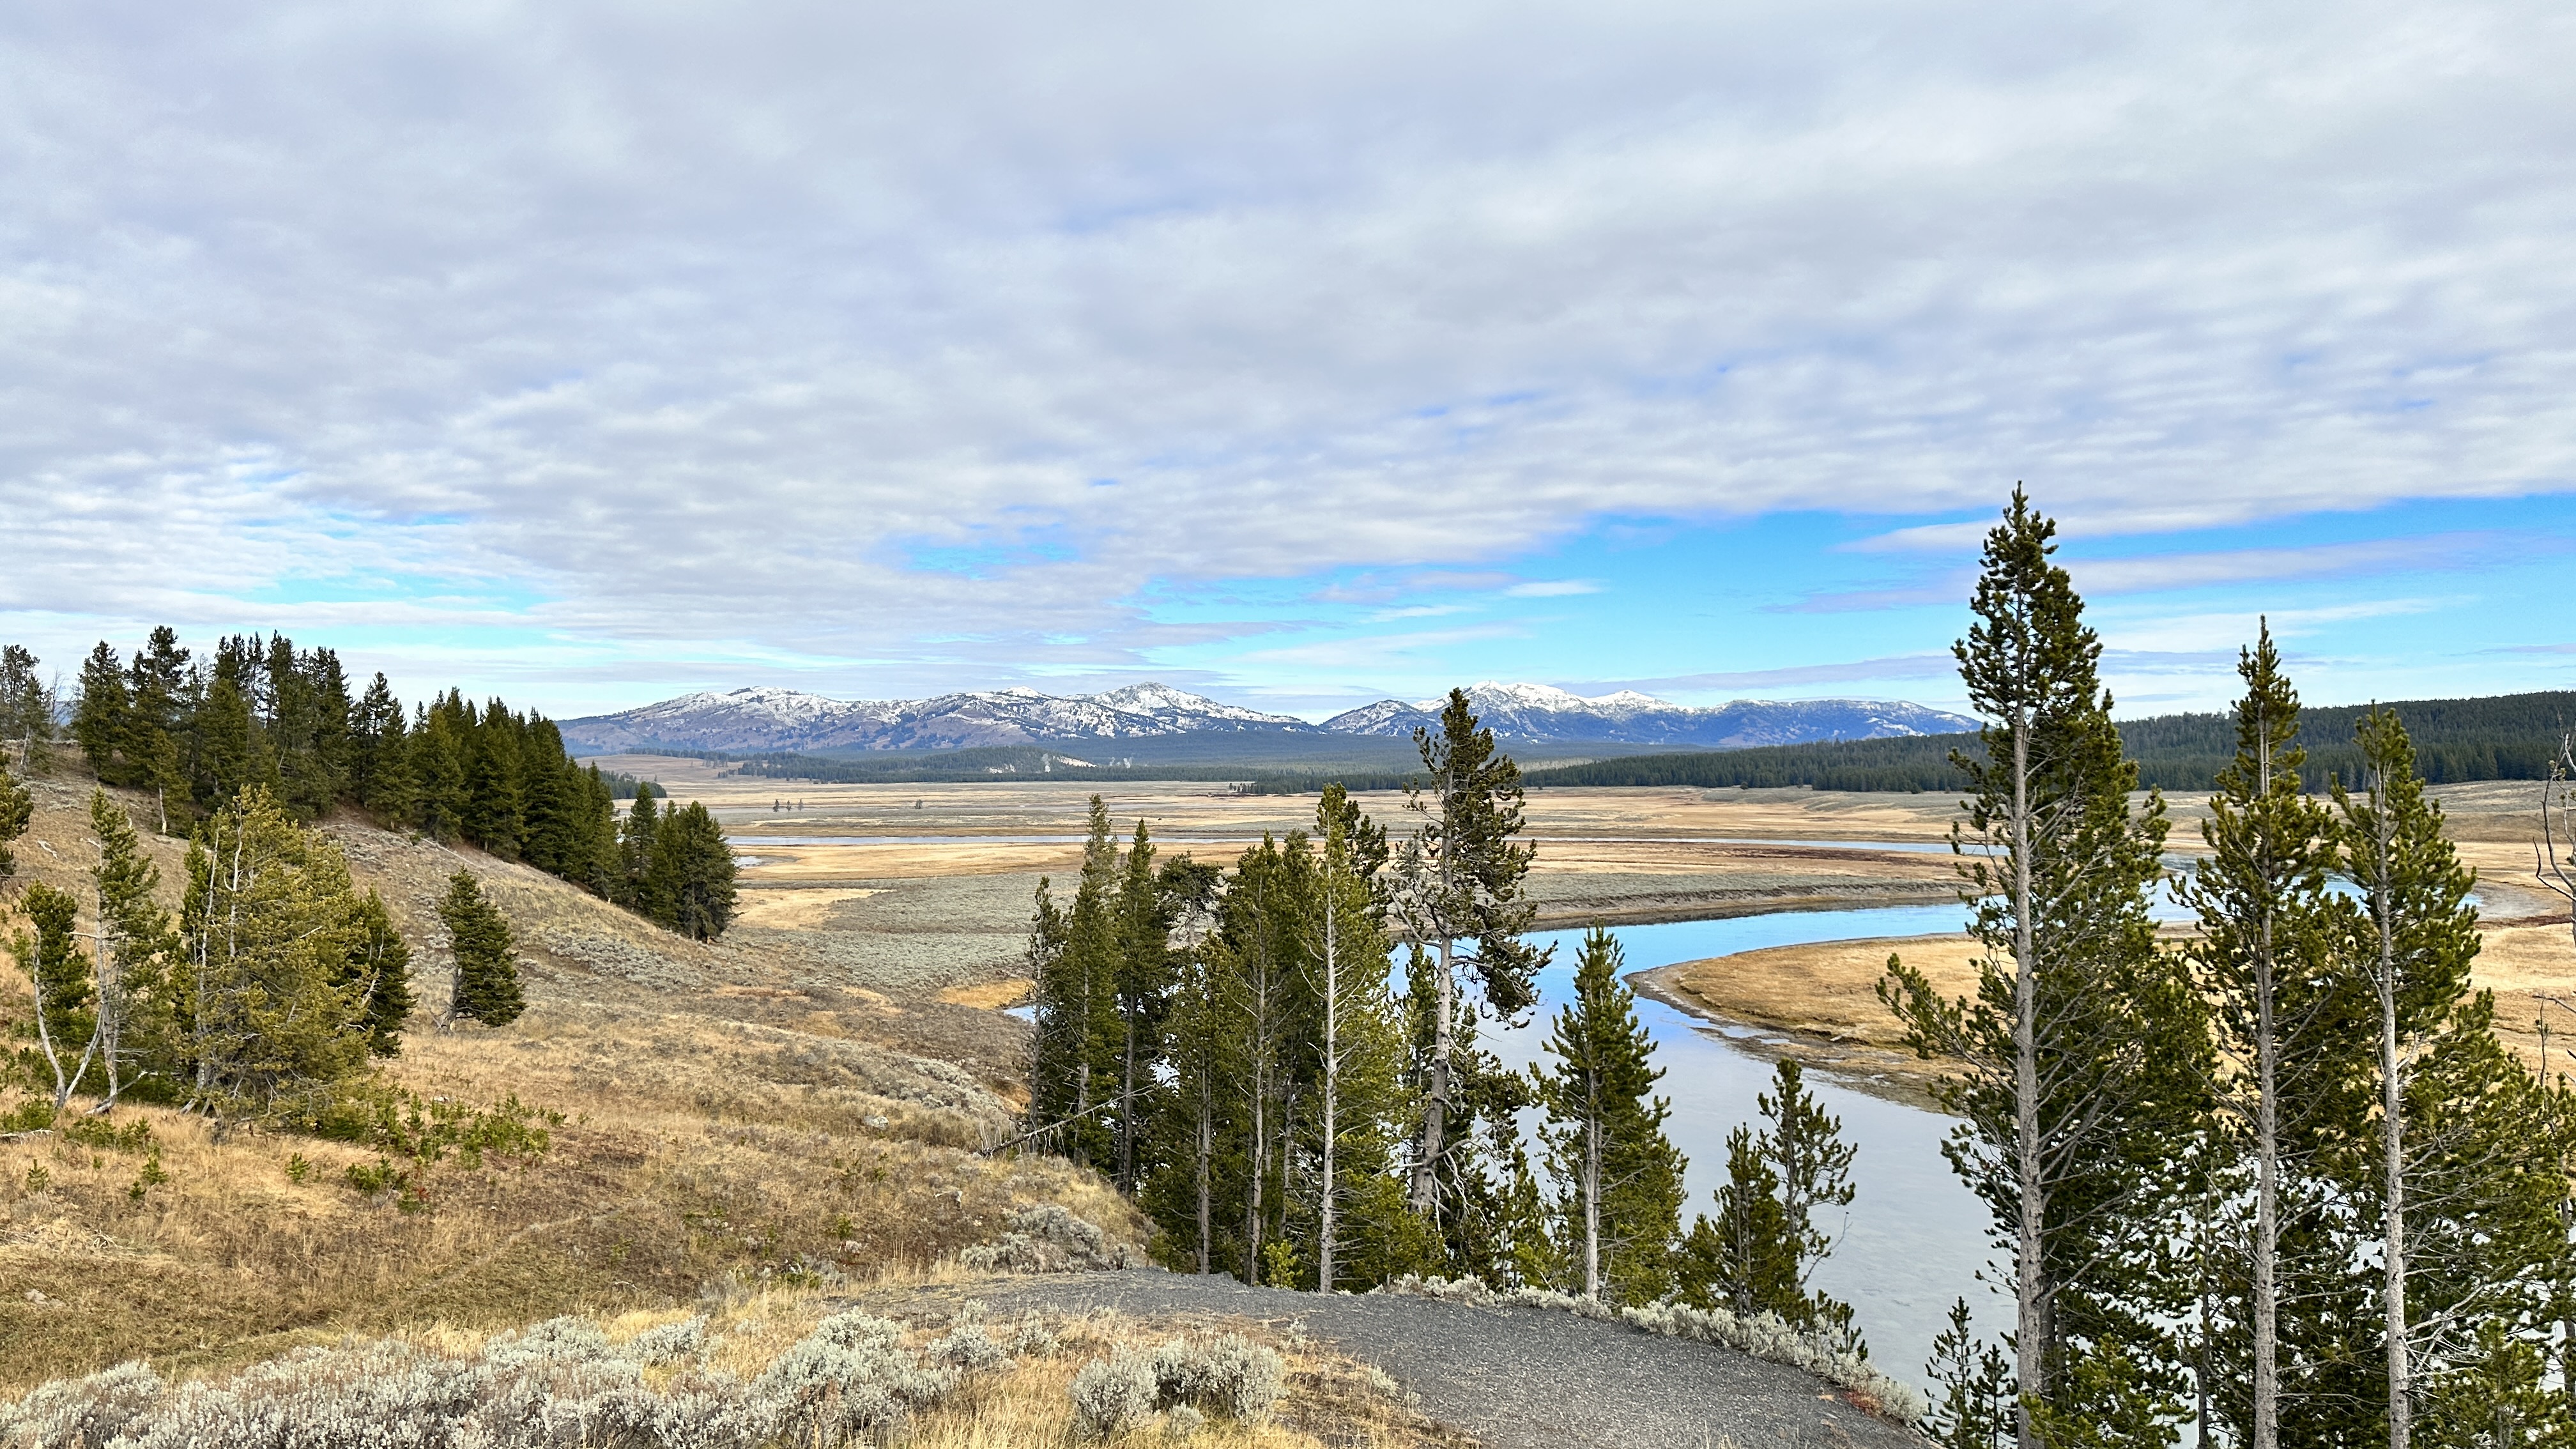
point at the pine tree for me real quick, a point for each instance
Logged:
(230, 753)
(267, 929)
(380, 754)
(1620, 1193)
(137, 947)
(2081, 1056)
(635, 858)
(1975, 1408)
(66, 1021)
(1355, 1046)
(593, 862)
(486, 984)
(1181, 1195)
(1142, 986)
(1460, 878)
(17, 808)
(1059, 1039)
(438, 763)
(26, 708)
(2461, 1157)
(2292, 1027)
(495, 791)
(1744, 1260)
(159, 736)
(1076, 960)
(104, 716)
(690, 880)
(554, 802)
(1761, 1252)
(379, 975)
(1255, 957)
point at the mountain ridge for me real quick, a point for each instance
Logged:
(767, 718)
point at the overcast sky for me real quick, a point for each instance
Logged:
(1302, 355)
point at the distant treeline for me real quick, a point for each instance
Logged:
(2510, 737)
(196, 732)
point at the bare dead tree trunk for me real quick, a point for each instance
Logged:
(2392, 1133)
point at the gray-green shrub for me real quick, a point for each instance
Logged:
(557, 1385)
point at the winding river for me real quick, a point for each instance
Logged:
(1914, 1238)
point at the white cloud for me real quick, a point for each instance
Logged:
(2205, 635)
(1553, 589)
(811, 329)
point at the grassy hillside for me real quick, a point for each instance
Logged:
(741, 1111)
(2510, 737)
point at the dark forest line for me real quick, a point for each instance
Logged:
(2507, 737)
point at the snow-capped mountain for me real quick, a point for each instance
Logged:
(785, 719)
(1538, 712)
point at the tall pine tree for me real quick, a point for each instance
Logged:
(2078, 1059)
(485, 987)
(1459, 879)
(1619, 1177)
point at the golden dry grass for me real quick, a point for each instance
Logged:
(991, 994)
(721, 1122)
(801, 910)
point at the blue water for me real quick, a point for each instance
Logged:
(1915, 1237)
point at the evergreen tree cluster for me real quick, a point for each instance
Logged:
(195, 732)
(2279, 1184)
(1232, 1047)
(270, 990)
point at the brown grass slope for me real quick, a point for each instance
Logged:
(748, 1109)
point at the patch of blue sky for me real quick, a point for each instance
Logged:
(989, 560)
(2408, 600)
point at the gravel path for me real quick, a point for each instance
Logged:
(1516, 1378)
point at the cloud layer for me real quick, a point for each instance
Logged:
(927, 339)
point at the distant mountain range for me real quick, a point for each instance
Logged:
(1537, 712)
(764, 719)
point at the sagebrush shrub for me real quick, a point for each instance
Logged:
(1113, 1393)
(1048, 1239)
(967, 1349)
(558, 1385)
(1230, 1376)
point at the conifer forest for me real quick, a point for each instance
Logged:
(268, 991)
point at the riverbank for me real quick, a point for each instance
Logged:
(1817, 1002)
